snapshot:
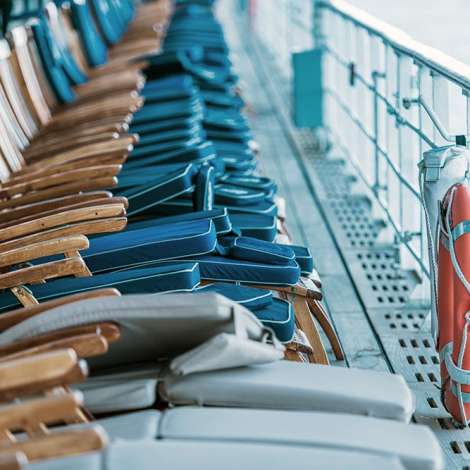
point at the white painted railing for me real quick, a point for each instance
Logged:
(387, 98)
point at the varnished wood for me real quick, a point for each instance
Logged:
(323, 319)
(60, 191)
(59, 179)
(40, 372)
(12, 318)
(109, 225)
(86, 345)
(64, 218)
(109, 332)
(42, 249)
(61, 444)
(10, 460)
(42, 272)
(93, 202)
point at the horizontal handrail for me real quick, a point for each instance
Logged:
(447, 66)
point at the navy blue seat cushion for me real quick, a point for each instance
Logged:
(237, 196)
(254, 182)
(203, 197)
(163, 125)
(258, 226)
(219, 217)
(251, 298)
(304, 258)
(252, 249)
(220, 268)
(167, 277)
(159, 190)
(280, 317)
(146, 245)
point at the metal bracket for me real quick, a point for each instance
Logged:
(445, 134)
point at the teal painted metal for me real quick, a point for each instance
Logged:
(308, 89)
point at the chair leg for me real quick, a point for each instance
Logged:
(322, 317)
(306, 323)
(293, 355)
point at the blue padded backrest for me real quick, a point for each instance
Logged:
(54, 73)
(93, 44)
(62, 56)
(107, 21)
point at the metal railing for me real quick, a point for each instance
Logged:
(387, 99)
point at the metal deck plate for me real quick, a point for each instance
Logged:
(378, 324)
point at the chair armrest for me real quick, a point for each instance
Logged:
(60, 178)
(67, 245)
(12, 318)
(36, 274)
(40, 372)
(51, 221)
(78, 205)
(66, 189)
(20, 212)
(89, 227)
(86, 345)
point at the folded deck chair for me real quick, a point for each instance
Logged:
(194, 332)
(181, 455)
(172, 277)
(414, 445)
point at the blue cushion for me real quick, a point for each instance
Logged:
(266, 207)
(203, 197)
(95, 49)
(304, 258)
(146, 245)
(279, 316)
(159, 190)
(157, 148)
(254, 225)
(237, 196)
(260, 251)
(251, 298)
(219, 218)
(163, 124)
(179, 108)
(168, 277)
(192, 153)
(169, 135)
(219, 268)
(251, 181)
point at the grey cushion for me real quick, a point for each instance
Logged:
(152, 326)
(181, 455)
(114, 396)
(415, 446)
(296, 386)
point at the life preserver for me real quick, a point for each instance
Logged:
(454, 301)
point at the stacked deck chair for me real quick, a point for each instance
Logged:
(197, 184)
(127, 167)
(177, 336)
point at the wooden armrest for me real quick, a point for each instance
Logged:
(66, 245)
(30, 414)
(64, 218)
(40, 372)
(12, 318)
(10, 460)
(94, 202)
(61, 444)
(89, 227)
(21, 212)
(86, 345)
(58, 179)
(36, 274)
(67, 189)
(122, 145)
(104, 331)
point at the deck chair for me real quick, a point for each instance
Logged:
(181, 454)
(309, 386)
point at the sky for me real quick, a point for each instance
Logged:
(443, 24)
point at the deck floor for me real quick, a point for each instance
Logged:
(367, 294)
